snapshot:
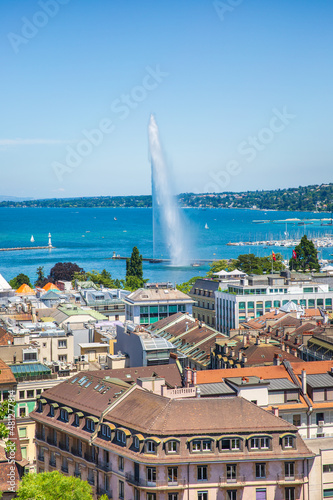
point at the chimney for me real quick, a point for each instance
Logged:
(295, 352)
(244, 340)
(287, 349)
(198, 392)
(304, 381)
(275, 410)
(283, 346)
(276, 360)
(267, 340)
(226, 349)
(276, 312)
(189, 376)
(244, 358)
(194, 376)
(258, 341)
(240, 355)
(233, 353)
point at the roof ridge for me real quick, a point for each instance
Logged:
(160, 413)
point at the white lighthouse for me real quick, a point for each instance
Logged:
(50, 242)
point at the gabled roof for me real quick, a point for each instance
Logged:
(25, 290)
(4, 285)
(50, 286)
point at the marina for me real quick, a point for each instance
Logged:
(319, 242)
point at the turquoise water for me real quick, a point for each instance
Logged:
(89, 237)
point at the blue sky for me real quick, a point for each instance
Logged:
(241, 91)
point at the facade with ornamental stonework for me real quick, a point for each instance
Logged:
(132, 443)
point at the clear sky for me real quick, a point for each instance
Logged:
(241, 91)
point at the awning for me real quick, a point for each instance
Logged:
(155, 439)
(67, 408)
(321, 343)
(125, 431)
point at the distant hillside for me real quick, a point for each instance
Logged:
(309, 198)
(12, 198)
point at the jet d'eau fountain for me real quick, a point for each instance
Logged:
(168, 227)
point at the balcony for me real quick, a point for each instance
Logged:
(225, 481)
(295, 478)
(91, 481)
(77, 473)
(63, 446)
(143, 483)
(64, 469)
(40, 436)
(52, 441)
(105, 466)
(41, 458)
(77, 452)
(52, 463)
(90, 458)
(103, 491)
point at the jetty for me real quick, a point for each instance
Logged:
(49, 246)
(152, 260)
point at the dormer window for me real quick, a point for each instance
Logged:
(230, 444)
(77, 420)
(51, 411)
(121, 438)
(259, 443)
(136, 442)
(172, 446)
(64, 415)
(288, 442)
(106, 431)
(151, 445)
(90, 425)
(202, 445)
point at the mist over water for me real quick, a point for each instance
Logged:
(168, 226)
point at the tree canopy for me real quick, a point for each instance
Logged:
(41, 278)
(306, 256)
(54, 486)
(134, 264)
(64, 271)
(19, 280)
(187, 286)
(103, 278)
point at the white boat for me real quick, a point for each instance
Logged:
(206, 226)
(32, 239)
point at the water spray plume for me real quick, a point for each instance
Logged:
(167, 219)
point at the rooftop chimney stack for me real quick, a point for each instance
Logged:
(304, 381)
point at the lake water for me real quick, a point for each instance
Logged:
(90, 236)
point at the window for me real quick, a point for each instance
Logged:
(173, 496)
(171, 446)
(90, 425)
(63, 358)
(206, 446)
(173, 475)
(30, 393)
(151, 474)
(259, 443)
(319, 418)
(202, 495)
(64, 466)
(38, 392)
(288, 442)
(62, 343)
(231, 473)
(328, 468)
(228, 444)
(196, 445)
(21, 394)
(202, 474)
(121, 463)
(106, 431)
(23, 411)
(22, 432)
(136, 442)
(261, 494)
(290, 494)
(297, 420)
(52, 459)
(232, 494)
(150, 447)
(151, 496)
(64, 415)
(76, 420)
(51, 411)
(121, 438)
(260, 471)
(289, 470)
(121, 489)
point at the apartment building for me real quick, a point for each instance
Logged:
(254, 295)
(157, 301)
(128, 442)
(203, 293)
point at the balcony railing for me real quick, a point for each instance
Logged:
(130, 478)
(104, 466)
(226, 481)
(63, 446)
(77, 473)
(77, 452)
(91, 480)
(52, 463)
(41, 458)
(52, 441)
(40, 436)
(90, 458)
(64, 468)
(290, 478)
(103, 491)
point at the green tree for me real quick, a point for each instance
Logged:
(187, 286)
(134, 265)
(132, 283)
(250, 264)
(19, 280)
(103, 278)
(306, 256)
(215, 267)
(41, 278)
(54, 486)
